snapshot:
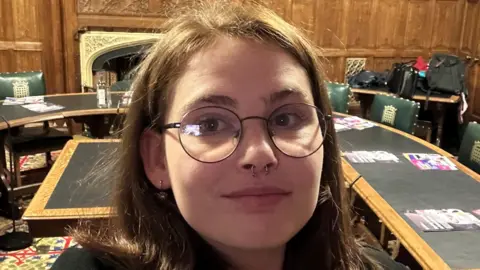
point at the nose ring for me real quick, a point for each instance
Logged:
(254, 174)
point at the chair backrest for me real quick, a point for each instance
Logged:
(469, 152)
(22, 84)
(121, 85)
(339, 95)
(399, 113)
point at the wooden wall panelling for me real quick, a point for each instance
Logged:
(334, 68)
(418, 26)
(71, 57)
(124, 7)
(303, 16)
(468, 42)
(52, 41)
(6, 36)
(447, 24)
(359, 24)
(474, 74)
(470, 19)
(27, 35)
(282, 8)
(330, 31)
(390, 25)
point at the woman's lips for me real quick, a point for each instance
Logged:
(258, 199)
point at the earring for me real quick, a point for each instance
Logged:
(253, 171)
(161, 195)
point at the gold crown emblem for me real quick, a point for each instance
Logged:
(20, 88)
(389, 114)
(475, 153)
(20, 83)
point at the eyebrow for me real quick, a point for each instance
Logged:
(284, 94)
(223, 100)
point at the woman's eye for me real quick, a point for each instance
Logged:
(211, 125)
(286, 120)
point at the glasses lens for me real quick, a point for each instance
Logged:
(210, 134)
(296, 129)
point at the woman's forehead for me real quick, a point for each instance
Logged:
(243, 70)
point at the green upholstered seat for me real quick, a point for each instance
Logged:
(339, 95)
(22, 84)
(121, 85)
(469, 152)
(399, 113)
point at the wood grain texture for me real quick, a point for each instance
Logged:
(380, 30)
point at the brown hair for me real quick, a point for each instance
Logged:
(150, 233)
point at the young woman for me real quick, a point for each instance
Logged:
(229, 156)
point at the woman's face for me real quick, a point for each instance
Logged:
(225, 202)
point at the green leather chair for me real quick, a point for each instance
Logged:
(469, 152)
(22, 84)
(396, 112)
(121, 85)
(339, 95)
(29, 140)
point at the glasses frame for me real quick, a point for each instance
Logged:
(177, 125)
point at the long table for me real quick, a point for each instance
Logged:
(392, 188)
(81, 107)
(67, 194)
(75, 105)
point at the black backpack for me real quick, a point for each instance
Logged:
(446, 74)
(402, 79)
(367, 79)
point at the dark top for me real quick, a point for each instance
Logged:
(81, 259)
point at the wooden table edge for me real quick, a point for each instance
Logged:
(451, 99)
(415, 244)
(36, 209)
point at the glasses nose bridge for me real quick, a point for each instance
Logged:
(264, 120)
(253, 117)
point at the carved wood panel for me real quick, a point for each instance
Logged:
(120, 6)
(329, 23)
(359, 28)
(470, 17)
(447, 25)
(474, 74)
(418, 26)
(380, 30)
(282, 8)
(390, 24)
(303, 16)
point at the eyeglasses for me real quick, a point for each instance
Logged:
(211, 134)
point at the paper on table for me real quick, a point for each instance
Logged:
(371, 157)
(430, 162)
(24, 100)
(42, 107)
(433, 220)
(352, 122)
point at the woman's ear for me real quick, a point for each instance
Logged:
(152, 151)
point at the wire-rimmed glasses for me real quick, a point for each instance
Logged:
(211, 134)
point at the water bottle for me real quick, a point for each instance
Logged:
(104, 98)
